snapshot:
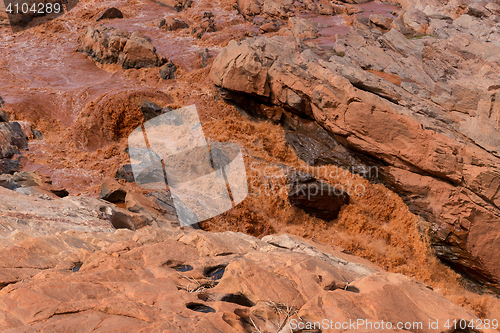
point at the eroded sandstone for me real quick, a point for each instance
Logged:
(432, 123)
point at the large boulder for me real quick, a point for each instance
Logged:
(178, 5)
(32, 183)
(110, 13)
(12, 141)
(12, 13)
(171, 24)
(109, 45)
(425, 109)
(315, 197)
(249, 7)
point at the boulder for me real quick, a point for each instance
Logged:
(277, 8)
(4, 117)
(493, 7)
(171, 24)
(32, 183)
(269, 27)
(110, 13)
(315, 197)
(326, 8)
(151, 110)
(167, 71)
(12, 139)
(316, 146)
(125, 172)
(409, 112)
(157, 208)
(416, 20)
(109, 45)
(9, 165)
(207, 25)
(303, 28)
(178, 5)
(478, 10)
(249, 7)
(112, 191)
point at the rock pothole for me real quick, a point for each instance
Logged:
(198, 307)
(239, 299)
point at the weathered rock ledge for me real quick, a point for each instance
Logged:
(66, 269)
(425, 110)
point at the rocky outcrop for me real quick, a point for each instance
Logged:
(207, 25)
(302, 28)
(315, 197)
(112, 191)
(174, 280)
(178, 5)
(12, 141)
(156, 206)
(427, 109)
(110, 13)
(283, 9)
(172, 24)
(32, 183)
(109, 45)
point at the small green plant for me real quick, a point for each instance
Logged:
(415, 37)
(339, 53)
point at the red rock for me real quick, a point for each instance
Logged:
(249, 7)
(110, 13)
(172, 24)
(269, 27)
(315, 197)
(354, 104)
(109, 45)
(112, 191)
(129, 282)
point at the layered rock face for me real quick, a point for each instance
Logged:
(427, 109)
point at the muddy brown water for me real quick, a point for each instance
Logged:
(46, 82)
(377, 7)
